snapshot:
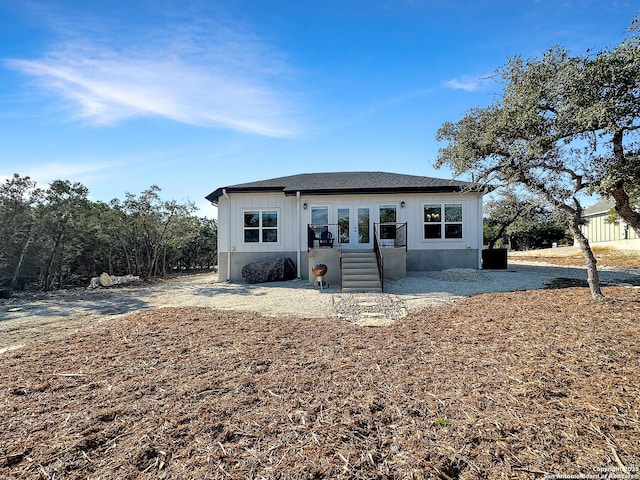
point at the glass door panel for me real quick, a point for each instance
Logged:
(364, 226)
(354, 227)
(343, 226)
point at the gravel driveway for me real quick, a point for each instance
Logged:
(28, 317)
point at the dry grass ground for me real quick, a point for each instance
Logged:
(513, 385)
(572, 256)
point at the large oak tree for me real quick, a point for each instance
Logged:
(565, 125)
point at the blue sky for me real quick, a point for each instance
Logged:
(194, 95)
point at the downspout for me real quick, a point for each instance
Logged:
(299, 233)
(481, 229)
(224, 194)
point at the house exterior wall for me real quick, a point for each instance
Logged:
(234, 252)
(232, 240)
(472, 222)
(598, 229)
(422, 254)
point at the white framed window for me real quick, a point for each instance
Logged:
(260, 226)
(442, 221)
(388, 214)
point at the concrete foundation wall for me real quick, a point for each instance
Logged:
(395, 262)
(433, 260)
(304, 265)
(331, 258)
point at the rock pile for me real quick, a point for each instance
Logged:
(106, 280)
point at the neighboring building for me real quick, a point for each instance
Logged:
(407, 222)
(598, 228)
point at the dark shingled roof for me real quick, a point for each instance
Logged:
(347, 183)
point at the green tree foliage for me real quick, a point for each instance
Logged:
(19, 198)
(63, 217)
(606, 109)
(540, 230)
(522, 222)
(564, 126)
(501, 213)
(57, 237)
(156, 225)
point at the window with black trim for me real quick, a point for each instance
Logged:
(388, 215)
(438, 226)
(260, 226)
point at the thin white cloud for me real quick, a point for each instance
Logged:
(468, 85)
(75, 171)
(215, 80)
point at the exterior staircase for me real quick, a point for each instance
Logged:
(360, 271)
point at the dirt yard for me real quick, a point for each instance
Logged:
(510, 385)
(32, 317)
(572, 256)
(528, 384)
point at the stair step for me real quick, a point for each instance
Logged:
(358, 259)
(360, 272)
(371, 272)
(360, 265)
(348, 281)
(362, 284)
(362, 290)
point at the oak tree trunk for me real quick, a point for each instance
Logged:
(619, 194)
(624, 209)
(16, 272)
(593, 278)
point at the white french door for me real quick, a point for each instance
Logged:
(354, 227)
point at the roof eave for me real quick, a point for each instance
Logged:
(214, 196)
(382, 190)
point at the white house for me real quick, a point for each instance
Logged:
(399, 222)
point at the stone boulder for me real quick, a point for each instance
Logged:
(276, 270)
